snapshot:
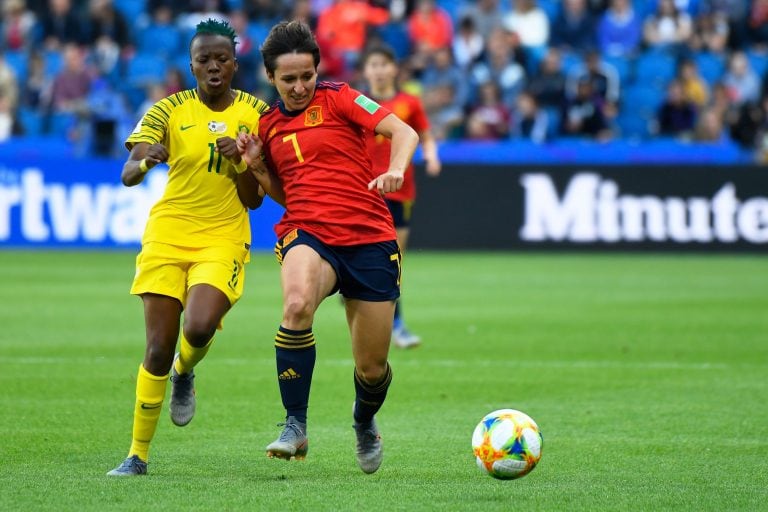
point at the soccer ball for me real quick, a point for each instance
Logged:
(507, 444)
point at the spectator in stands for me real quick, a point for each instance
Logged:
(468, 43)
(548, 85)
(529, 121)
(486, 14)
(246, 52)
(603, 76)
(36, 84)
(445, 94)
(668, 28)
(757, 23)
(710, 34)
(17, 26)
(530, 23)
(267, 12)
(109, 35)
(619, 30)
(109, 119)
(500, 66)
(9, 84)
(735, 12)
(695, 88)
(489, 118)
(722, 103)
(742, 81)
(60, 24)
(198, 11)
(584, 115)
(748, 130)
(302, 11)
(342, 31)
(574, 27)
(107, 23)
(709, 127)
(430, 28)
(677, 115)
(7, 118)
(71, 85)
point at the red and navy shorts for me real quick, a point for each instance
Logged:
(369, 272)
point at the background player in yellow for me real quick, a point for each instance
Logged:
(198, 235)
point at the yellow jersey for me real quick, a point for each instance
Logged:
(200, 206)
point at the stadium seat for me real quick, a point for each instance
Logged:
(61, 123)
(639, 108)
(551, 8)
(132, 10)
(655, 67)
(31, 121)
(396, 36)
(570, 60)
(17, 60)
(711, 66)
(54, 62)
(759, 61)
(163, 40)
(623, 67)
(145, 68)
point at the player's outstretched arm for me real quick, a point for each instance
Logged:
(404, 142)
(249, 147)
(248, 189)
(142, 158)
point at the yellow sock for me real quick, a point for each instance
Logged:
(189, 356)
(150, 391)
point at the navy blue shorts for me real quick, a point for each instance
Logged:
(401, 212)
(369, 272)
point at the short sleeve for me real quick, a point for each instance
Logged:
(153, 125)
(359, 108)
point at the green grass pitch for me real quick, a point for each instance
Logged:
(647, 374)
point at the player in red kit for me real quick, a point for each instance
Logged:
(336, 233)
(380, 71)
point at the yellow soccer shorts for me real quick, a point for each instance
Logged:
(171, 270)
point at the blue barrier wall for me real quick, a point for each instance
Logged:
(51, 198)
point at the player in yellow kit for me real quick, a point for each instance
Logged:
(197, 238)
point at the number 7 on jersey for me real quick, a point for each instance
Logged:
(296, 148)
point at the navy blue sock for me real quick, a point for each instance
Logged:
(295, 352)
(370, 397)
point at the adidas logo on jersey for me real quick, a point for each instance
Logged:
(288, 374)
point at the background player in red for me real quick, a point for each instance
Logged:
(380, 71)
(336, 234)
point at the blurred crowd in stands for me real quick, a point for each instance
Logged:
(695, 70)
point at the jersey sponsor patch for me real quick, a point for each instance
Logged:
(367, 104)
(313, 116)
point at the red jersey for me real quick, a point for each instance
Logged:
(409, 109)
(320, 156)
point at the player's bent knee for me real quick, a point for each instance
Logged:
(297, 309)
(199, 332)
(372, 373)
(158, 359)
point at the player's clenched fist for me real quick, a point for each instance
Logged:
(156, 153)
(390, 181)
(228, 148)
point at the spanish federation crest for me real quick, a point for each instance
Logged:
(313, 116)
(217, 127)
